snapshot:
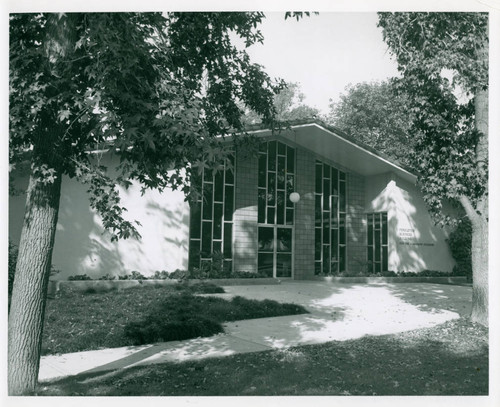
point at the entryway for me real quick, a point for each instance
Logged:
(275, 251)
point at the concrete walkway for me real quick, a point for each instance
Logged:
(337, 312)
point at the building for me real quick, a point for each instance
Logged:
(357, 211)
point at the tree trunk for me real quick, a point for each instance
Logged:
(29, 293)
(479, 217)
(479, 250)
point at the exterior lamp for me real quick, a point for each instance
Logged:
(294, 197)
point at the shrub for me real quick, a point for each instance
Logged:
(107, 276)
(460, 242)
(184, 316)
(79, 277)
(178, 274)
(160, 275)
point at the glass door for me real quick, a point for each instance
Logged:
(275, 251)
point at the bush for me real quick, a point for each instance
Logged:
(107, 277)
(200, 288)
(184, 316)
(79, 277)
(160, 275)
(460, 243)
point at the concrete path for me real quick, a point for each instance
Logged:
(337, 312)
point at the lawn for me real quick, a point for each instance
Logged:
(449, 359)
(77, 321)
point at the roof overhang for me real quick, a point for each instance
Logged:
(333, 145)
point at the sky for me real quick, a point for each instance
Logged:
(324, 53)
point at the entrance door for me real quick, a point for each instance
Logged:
(275, 251)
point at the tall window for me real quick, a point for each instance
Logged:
(211, 221)
(275, 210)
(330, 220)
(276, 183)
(377, 242)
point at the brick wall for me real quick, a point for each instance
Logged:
(304, 216)
(356, 223)
(245, 215)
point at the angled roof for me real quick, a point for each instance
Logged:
(335, 145)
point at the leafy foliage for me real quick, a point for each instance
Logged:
(288, 104)
(459, 242)
(429, 48)
(375, 114)
(153, 88)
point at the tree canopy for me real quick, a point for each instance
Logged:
(376, 115)
(159, 88)
(288, 104)
(442, 56)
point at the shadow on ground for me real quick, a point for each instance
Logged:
(421, 362)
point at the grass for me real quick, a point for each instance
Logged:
(449, 359)
(87, 321)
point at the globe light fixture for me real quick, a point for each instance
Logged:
(294, 197)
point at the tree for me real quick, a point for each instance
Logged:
(155, 89)
(443, 59)
(376, 115)
(288, 104)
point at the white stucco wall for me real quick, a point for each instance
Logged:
(415, 244)
(83, 247)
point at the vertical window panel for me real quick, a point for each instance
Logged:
(229, 203)
(326, 194)
(194, 254)
(326, 171)
(335, 181)
(217, 233)
(281, 148)
(207, 201)
(270, 215)
(206, 239)
(216, 247)
(228, 240)
(342, 228)
(271, 156)
(280, 208)
(342, 197)
(229, 172)
(290, 159)
(261, 206)
(219, 186)
(262, 170)
(289, 189)
(326, 259)
(319, 178)
(210, 225)
(195, 220)
(317, 210)
(271, 188)
(281, 173)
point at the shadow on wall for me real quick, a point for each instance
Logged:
(174, 219)
(83, 247)
(415, 244)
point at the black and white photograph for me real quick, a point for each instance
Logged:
(210, 201)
